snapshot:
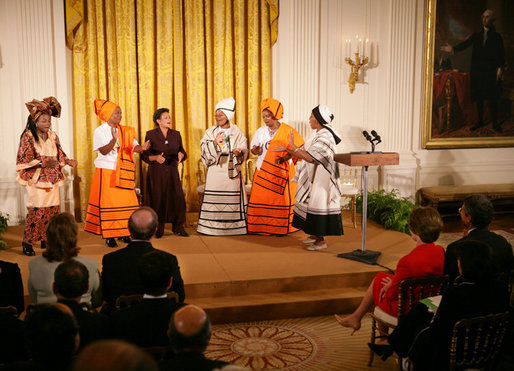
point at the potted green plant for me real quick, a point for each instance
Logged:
(388, 209)
(4, 218)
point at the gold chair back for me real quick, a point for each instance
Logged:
(476, 341)
(348, 178)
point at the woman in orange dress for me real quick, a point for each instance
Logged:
(270, 209)
(112, 198)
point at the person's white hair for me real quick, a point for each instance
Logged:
(492, 14)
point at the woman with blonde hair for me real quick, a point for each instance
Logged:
(426, 259)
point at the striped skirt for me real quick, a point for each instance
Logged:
(109, 207)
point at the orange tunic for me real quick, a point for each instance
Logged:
(270, 209)
(112, 198)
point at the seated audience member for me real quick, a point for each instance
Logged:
(61, 241)
(119, 268)
(70, 283)
(476, 214)
(113, 355)
(190, 332)
(11, 286)
(146, 323)
(12, 342)
(426, 259)
(52, 338)
(476, 292)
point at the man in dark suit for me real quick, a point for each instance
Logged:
(71, 281)
(11, 286)
(487, 63)
(476, 214)
(119, 268)
(190, 332)
(145, 324)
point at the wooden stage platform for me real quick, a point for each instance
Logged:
(245, 278)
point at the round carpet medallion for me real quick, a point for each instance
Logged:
(315, 343)
(262, 346)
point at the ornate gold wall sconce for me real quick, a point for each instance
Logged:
(361, 52)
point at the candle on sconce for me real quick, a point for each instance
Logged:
(367, 48)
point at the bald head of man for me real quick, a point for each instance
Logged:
(189, 329)
(142, 223)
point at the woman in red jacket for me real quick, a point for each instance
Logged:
(426, 259)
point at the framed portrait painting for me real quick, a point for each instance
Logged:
(468, 74)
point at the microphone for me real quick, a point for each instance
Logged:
(366, 135)
(376, 136)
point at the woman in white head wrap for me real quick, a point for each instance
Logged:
(224, 148)
(317, 210)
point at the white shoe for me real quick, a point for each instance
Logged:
(309, 240)
(317, 247)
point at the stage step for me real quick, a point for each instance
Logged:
(279, 284)
(278, 305)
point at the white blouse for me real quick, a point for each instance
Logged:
(102, 136)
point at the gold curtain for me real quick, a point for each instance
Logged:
(182, 54)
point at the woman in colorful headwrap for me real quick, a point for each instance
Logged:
(317, 210)
(270, 209)
(224, 149)
(163, 191)
(39, 162)
(112, 198)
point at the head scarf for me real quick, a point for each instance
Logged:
(324, 117)
(48, 105)
(274, 106)
(228, 107)
(104, 109)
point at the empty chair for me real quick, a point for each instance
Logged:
(350, 190)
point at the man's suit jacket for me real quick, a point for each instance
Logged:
(120, 276)
(11, 286)
(92, 326)
(501, 251)
(190, 361)
(145, 323)
(485, 61)
(431, 347)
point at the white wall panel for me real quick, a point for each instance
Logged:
(388, 96)
(33, 66)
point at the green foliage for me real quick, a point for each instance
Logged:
(388, 209)
(4, 218)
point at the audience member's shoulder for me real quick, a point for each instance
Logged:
(113, 254)
(88, 262)
(166, 253)
(37, 261)
(8, 266)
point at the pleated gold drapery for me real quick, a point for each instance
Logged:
(182, 54)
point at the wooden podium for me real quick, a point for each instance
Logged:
(366, 159)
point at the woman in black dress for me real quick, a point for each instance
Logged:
(163, 191)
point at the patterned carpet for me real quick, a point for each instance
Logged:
(316, 343)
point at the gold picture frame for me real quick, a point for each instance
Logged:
(441, 127)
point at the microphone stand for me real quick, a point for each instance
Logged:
(363, 255)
